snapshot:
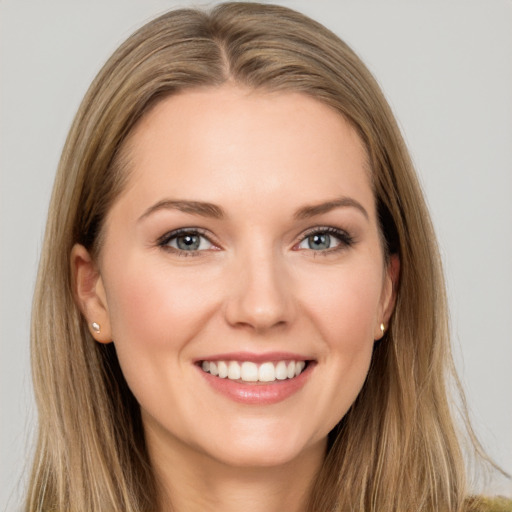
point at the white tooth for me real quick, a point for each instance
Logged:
(299, 367)
(291, 369)
(281, 371)
(267, 372)
(213, 368)
(223, 369)
(205, 366)
(249, 372)
(233, 370)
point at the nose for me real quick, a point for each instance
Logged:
(261, 295)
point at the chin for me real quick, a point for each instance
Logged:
(256, 458)
(261, 450)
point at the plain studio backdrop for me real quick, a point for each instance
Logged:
(446, 69)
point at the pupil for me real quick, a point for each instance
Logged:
(188, 242)
(319, 241)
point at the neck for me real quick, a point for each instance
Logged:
(191, 481)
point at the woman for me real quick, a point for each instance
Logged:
(240, 302)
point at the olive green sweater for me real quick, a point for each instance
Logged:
(489, 505)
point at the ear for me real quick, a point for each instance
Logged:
(388, 298)
(90, 293)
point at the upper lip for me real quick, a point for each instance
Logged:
(254, 357)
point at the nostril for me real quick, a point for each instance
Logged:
(260, 297)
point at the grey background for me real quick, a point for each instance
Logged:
(446, 68)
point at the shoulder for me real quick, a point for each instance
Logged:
(484, 504)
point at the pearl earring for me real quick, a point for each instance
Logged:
(96, 327)
(382, 328)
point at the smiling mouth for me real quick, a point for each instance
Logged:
(248, 371)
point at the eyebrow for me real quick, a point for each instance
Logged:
(216, 212)
(193, 207)
(318, 209)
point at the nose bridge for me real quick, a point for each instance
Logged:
(260, 296)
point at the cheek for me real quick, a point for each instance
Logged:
(151, 306)
(344, 311)
(345, 306)
(154, 313)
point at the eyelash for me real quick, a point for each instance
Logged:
(345, 239)
(163, 241)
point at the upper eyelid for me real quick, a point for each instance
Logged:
(169, 235)
(323, 229)
(316, 229)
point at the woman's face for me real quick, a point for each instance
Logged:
(246, 243)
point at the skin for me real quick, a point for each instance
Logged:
(254, 285)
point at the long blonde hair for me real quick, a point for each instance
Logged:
(397, 448)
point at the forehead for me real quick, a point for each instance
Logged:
(230, 141)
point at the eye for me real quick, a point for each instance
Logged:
(185, 240)
(325, 239)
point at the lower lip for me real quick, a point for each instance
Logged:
(257, 393)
